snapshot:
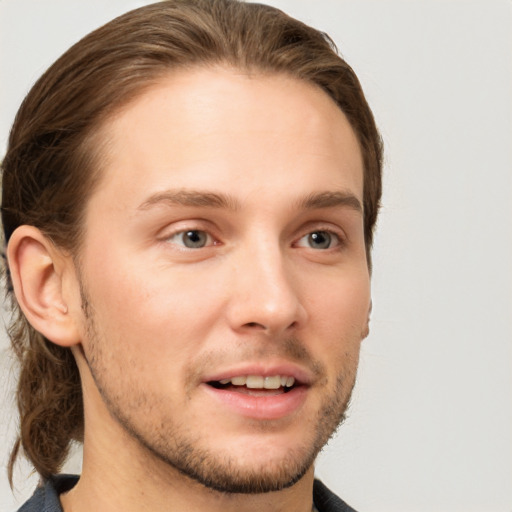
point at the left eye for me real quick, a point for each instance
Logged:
(319, 240)
(191, 239)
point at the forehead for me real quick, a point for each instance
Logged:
(216, 127)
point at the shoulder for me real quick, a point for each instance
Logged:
(46, 496)
(327, 501)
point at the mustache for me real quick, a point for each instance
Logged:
(290, 349)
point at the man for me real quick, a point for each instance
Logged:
(189, 198)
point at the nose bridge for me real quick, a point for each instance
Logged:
(265, 296)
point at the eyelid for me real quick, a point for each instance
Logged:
(338, 241)
(209, 239)
(325, 227)
(174, 229)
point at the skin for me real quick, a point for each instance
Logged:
(153, 320)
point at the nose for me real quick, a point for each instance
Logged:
(264, 296)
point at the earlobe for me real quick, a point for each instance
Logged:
(36, 267)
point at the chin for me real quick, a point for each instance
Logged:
(227, 475)
(259, 463)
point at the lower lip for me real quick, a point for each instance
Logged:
(270, 407)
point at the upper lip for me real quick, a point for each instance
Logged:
(300, 374)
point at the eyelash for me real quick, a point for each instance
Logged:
(209, 240)
(331, 235)
(190, 231)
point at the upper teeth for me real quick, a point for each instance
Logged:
(258, 381)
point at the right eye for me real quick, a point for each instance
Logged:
(191, 239)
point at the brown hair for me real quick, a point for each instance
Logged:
(54, 157)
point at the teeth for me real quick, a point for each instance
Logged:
(255, 381)
(272, 382)
(260, 382)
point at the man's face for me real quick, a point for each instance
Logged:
(224, 276)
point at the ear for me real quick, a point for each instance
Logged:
(37, 269)
(366, 329)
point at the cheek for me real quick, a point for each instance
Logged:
(339, 315)
(140, 327)
(343, 301)
(162, 309)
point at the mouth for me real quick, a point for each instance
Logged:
(254, 391)
(257, 385)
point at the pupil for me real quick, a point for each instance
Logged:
(194, 239)
(320, 240)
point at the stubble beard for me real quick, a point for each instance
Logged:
(177, 448)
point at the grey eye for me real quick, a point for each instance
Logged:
(191, 239)
(319, 240)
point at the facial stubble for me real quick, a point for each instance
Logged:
(177, 448)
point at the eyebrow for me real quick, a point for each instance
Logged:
(217, 200)
(191, 198)
(329, 200)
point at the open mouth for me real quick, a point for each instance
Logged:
(259, 396)
(257, 385)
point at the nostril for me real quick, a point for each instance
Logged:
(255, 324)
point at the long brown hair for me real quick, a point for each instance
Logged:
(54, 156)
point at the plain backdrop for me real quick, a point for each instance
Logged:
(430, 428)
